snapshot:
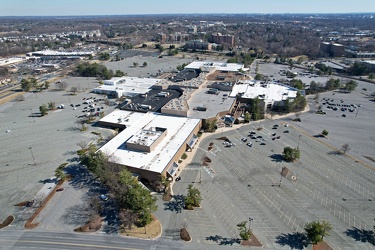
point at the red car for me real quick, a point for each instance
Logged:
(59, 189)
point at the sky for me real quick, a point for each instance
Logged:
(129, 7)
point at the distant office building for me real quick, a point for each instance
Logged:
(332, 49)
(198, 44)
(222, 39)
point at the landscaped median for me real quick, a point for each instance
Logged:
(60, 175)
(29, 224)
(7, 221)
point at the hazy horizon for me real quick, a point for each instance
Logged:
(164, 7)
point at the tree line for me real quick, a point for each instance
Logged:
(331, 84)
(97, 70)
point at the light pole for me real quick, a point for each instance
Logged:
(200, 175)
(32, 155)
(299, 138)
(250, 220)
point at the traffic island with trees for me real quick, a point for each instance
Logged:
(316, 231)
(291, 154)
(193, 198)
(246, 235)
(135, 203)
(324, 133)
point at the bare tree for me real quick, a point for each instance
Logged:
(81, 123)
(128, 218)
(106, 102)
(62, 85)
(38, 200)
(345, 148)
(19, 98)
(73, 90)
(51, 105)
(317, 101)
(82, 144)
(95, 206)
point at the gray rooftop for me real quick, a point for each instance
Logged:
(213, 103)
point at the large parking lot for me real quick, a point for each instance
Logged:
(155, 66)
(33, 146)
(244, 182)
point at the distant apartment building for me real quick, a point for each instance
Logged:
(178, 37)
(198, 44)
(222, 39)
(161, 37)
(192, 29)
(332, 49)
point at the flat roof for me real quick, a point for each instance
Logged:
(10, 60)
(129, 86)
(333, 65)
(212, 102)
(178, 131)
(60, 53)
(152, 100)
(222, 66)
(271, 91)
(145, 137)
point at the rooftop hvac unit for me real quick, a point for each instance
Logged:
(293, 178)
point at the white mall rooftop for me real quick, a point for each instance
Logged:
(178, 131)
(269, 92)
(222, 66)
(127, 86)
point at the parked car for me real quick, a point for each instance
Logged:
(103, 197)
